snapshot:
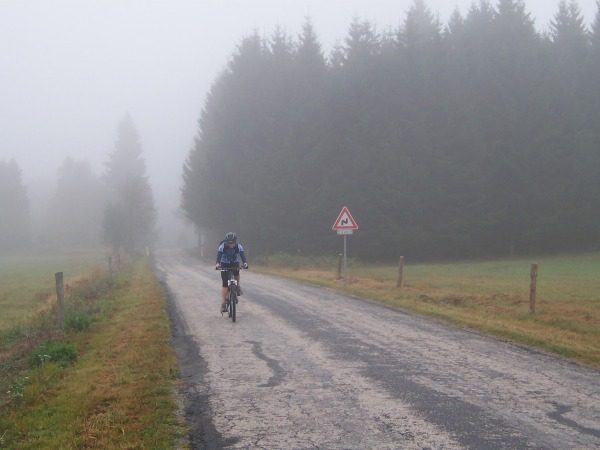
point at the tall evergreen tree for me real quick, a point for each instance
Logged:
(421, 30)
(130, 217)
(14, 208)
(593, 127)
(569, 35)
(76, 208)
(595, 40)
(309, 53)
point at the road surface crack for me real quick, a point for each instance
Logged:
(278, 372)
(558, 415)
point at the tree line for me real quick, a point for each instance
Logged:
(85, 210)
(475, 138)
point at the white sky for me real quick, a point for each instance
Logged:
(70, 69)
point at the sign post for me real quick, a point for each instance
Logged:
(345, 226)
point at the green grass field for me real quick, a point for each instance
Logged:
(27, 281)
(107, 381)
(489, 296)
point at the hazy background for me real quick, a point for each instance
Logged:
(70, 70)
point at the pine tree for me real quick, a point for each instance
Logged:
(130, 217)
(595, 40)
(593, 128)
(362, 44)
(421, 30)
(309, 53)
(14, 208)
(234, 132)
(75, 212)
(455, 31)
(569, 36)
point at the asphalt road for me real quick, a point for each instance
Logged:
(306, 368)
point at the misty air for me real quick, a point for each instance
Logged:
(300, 224)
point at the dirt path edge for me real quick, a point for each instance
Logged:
(202, 434)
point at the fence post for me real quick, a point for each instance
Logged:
(60, 296)
(400, 272)
(339, 268)
(110, 267)
(533, 287)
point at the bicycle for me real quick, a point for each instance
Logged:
(232, 290)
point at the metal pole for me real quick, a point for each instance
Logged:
(345, 261)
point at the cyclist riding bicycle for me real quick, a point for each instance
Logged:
(229, 253)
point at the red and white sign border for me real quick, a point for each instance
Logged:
(352, 223)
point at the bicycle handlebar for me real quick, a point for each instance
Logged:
(226, 269)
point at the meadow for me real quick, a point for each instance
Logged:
(27, 283)
(488, 296)
(107, 380)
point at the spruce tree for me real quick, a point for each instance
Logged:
(595, 40)
(76, 208)
(14, 208)
(309, 53)
(570, 37)
(130, 216)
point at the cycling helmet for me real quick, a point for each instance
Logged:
(231, 236)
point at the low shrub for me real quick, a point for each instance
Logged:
(62, 353)
(78, 322)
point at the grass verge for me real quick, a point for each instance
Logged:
(110, 382)
(488, 296)
(27, 283)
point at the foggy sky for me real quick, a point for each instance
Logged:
(71, 69)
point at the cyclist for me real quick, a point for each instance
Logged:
(229, 252)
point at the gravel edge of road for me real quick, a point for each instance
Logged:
(194, 405)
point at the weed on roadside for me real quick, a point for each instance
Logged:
(62, 353)
(78, 322)
(16, 391)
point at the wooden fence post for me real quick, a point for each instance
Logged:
(400, 272)
(339, 268)
(533, 287)
(60, 296)
(110, 267)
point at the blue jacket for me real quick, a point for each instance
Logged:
(226, 255)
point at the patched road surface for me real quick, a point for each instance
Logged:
(307, 368)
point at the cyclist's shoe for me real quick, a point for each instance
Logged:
(223, 308)
(239, 290)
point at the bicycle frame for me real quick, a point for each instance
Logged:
(231, 291)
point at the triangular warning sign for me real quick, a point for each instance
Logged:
(345, 221)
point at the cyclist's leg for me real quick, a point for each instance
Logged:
(236, 275)
(223, 290)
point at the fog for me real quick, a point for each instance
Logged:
(71, 70)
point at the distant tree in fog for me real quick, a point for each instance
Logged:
(76, 208)
(14, 208)
(129, 219)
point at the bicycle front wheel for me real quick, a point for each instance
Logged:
(232, 303)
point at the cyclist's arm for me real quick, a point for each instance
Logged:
(242, 254)
(219, 253)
